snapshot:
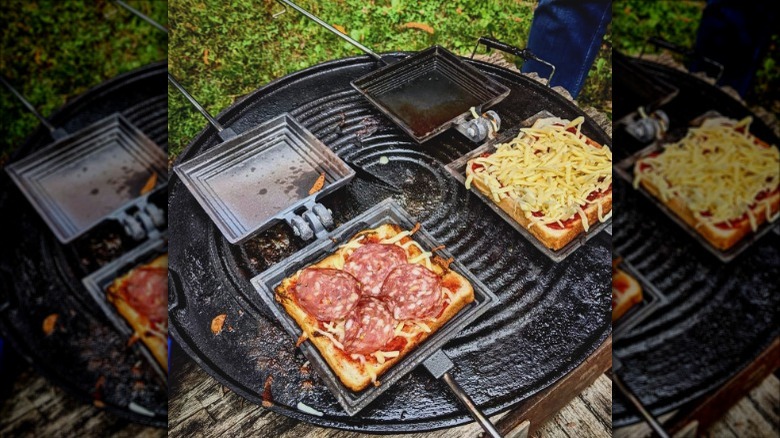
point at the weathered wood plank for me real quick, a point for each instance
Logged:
(585, 415)
(766, 398)
(714, 406)
(37, 408)
(221, 412)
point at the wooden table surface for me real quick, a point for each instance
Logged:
(200, 406)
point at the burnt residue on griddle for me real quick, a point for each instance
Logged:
(101, 246)
(267, 248)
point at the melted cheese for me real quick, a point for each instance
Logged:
(332, 338)
(546, 169)
(716, 171)
(382, 355)
(397, 237)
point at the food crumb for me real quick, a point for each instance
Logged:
(268, 400)
(383, 160)
(217, 323)
(49, 323)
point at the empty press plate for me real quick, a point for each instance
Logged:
(89, 176)
(249, 182)
(427, 93)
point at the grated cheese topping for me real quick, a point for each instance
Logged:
(546, 169)
(716, 171)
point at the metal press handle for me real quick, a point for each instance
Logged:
(141, 15)
(466, 401)
(526, 54)
(224, 133)
(664, 44)
(327, 26)
(637, 404)
(56, 133)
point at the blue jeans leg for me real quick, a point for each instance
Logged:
(568, 34)
(736, 33)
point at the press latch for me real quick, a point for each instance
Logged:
(142, 221)
(478, 129)
(314, 220)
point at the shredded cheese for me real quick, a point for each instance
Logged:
(336, 328)
(332, 338)
(715, 170)
(396, 238)
(382, 355)
(546, 169)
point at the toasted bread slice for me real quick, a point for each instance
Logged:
(626, 292)
(554, 239)
(720, 238)
(155, 340)
(357, 372)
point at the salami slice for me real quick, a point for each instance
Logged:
(412, 291)
(369, 327)
(147, 293)
(327, 294)
(371, 263)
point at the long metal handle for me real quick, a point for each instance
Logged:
(55, 132)
(526, 54)
(338, 33)
(466, 401)
(637, 404)
(141, 15)
(196, 104)
(664, 44)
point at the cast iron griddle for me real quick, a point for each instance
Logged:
(550, 317)
(718, 317)
(39, 276)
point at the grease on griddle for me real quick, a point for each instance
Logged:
(428, 102)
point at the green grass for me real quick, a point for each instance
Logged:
(247, 47)
(678, 21)
(53, 51)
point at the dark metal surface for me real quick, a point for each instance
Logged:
(94, 174)
(718, 317)
(550, 317)
(429, 92)
(259, 178)
(637, 88)
(39, 276)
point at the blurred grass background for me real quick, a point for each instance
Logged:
(52, 51)
(677, 21)
(223, 50)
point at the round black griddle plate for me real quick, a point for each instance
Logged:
(550, 317)
(84, 354)
(718, 317)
